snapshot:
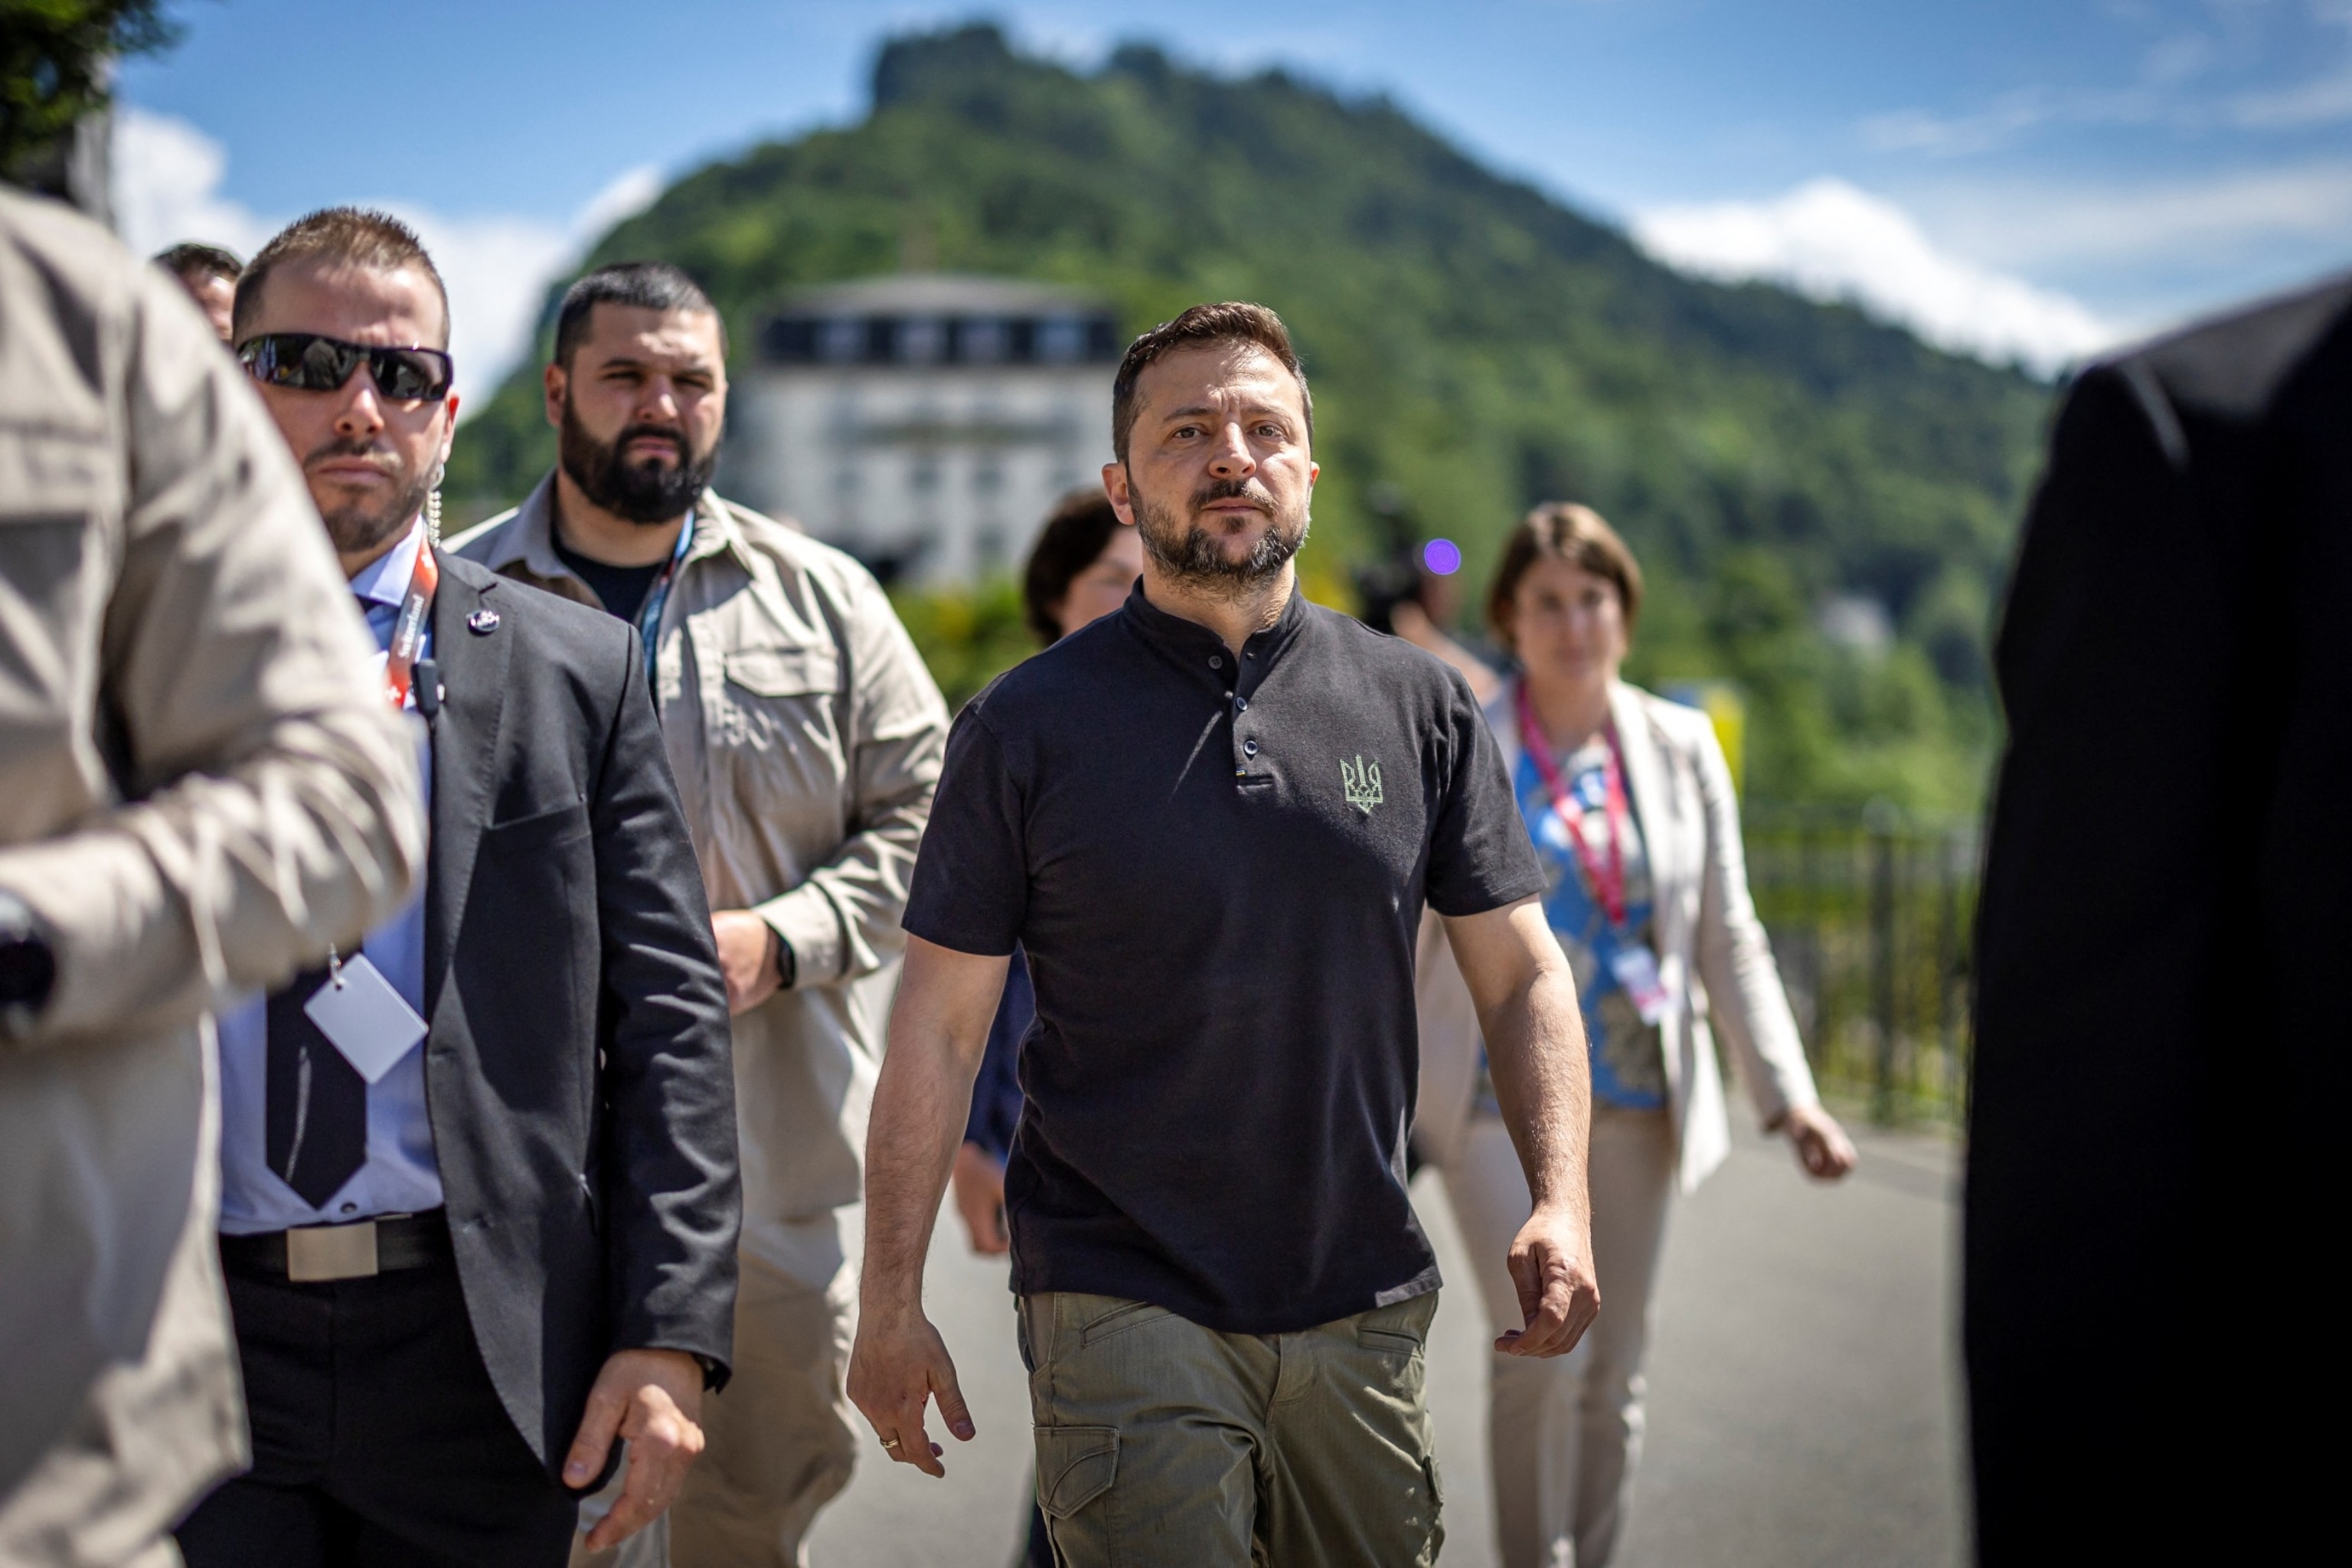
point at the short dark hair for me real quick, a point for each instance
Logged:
(191, 262)
(1230, 321)
(642, 285)
(1073, 540)
(353, 237)
(1576, 535)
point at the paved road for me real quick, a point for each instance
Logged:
(1802, 1405)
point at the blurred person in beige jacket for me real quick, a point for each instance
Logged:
(1630, 805)
(806, 736)
(200, 789)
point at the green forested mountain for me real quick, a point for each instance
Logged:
(1471, 343)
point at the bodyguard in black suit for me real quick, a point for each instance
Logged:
(479, 1196)
(2154, 1187)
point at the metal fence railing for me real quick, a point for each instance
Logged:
(1871, 914)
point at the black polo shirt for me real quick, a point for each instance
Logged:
(1218, 874)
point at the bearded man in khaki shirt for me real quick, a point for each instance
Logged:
(806, 737)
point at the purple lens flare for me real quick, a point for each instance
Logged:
(1442, 556)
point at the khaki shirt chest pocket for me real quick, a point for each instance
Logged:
(59, 495)
(778, 717)
(61, 505)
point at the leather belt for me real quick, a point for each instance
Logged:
(357, 1251)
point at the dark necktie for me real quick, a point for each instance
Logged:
(316, 1100)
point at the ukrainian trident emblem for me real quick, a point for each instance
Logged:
(1362, 780)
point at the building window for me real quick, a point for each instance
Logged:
(987, 478)
(923, 479)
(789, 340)
(923, 339)
(984, 341)
(838, 342)
(1061, 341)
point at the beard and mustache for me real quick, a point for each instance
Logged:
(357, 528)
(1193, 553)
(647, 491)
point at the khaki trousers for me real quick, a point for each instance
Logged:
(1566, 1434)
(1163, 1443)
(780, 1442)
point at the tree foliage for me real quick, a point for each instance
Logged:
(54, 59)
(1471, 343)
(968, 637)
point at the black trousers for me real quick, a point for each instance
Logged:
(378, 1438)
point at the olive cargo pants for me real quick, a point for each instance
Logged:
(1161, 1442)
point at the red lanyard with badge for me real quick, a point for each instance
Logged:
(1632, 963)
(408, 630)
(362, 1014)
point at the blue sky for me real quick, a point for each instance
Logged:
(2028, 180)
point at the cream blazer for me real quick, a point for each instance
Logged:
(1712, 953)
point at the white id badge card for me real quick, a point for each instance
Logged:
(1636, 969)
(372, 1023)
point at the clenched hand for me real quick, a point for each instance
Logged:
(1552, 1266)
(750, 957)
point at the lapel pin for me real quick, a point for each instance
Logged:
(482, 623)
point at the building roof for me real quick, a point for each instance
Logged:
(941, 293)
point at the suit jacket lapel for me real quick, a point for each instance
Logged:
(464, 752)
(1647, 781)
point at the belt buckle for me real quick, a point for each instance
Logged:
(325, 1252)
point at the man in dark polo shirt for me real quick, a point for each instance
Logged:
(1212, 819)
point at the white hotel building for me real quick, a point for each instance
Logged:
(926, 423)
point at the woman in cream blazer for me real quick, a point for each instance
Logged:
(1567, 1433)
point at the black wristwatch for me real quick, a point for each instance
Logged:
(28, 967)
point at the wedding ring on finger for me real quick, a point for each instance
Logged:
(889, 1442)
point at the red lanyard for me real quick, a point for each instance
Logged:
(408, 631)
(1608, 882)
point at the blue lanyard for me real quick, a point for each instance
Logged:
(649, 614)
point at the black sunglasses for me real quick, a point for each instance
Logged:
(309, 362)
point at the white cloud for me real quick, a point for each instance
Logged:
(167, 188)
(2322, 99)
(2224, 215)
(1958, 135)
(2007, 119)
(167, 179)
(1830, 241)
(627, 195)
(2176, 89)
